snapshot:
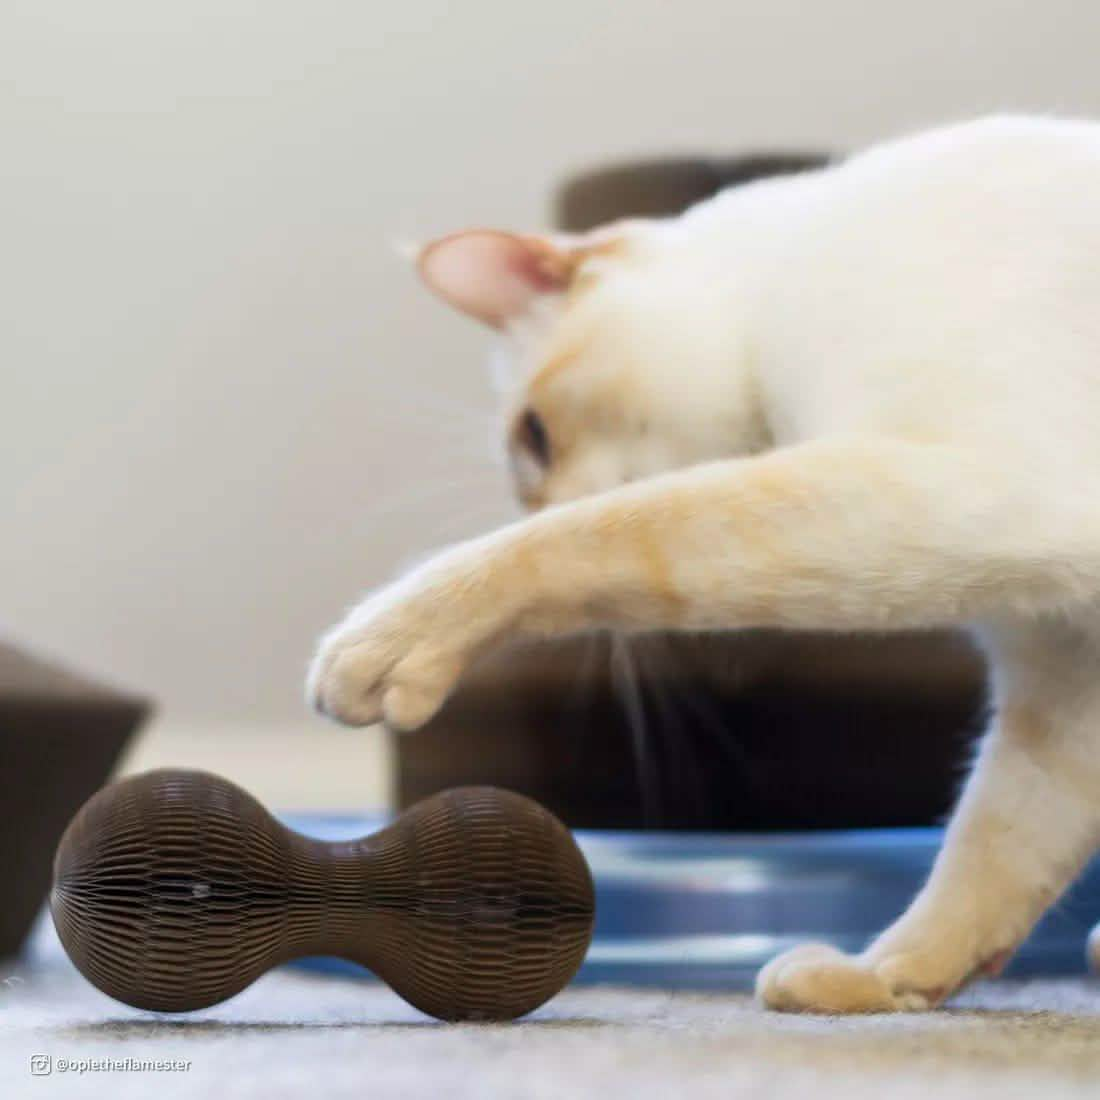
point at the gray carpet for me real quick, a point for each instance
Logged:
(299, 1035)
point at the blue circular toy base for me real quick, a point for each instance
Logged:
(705, 911)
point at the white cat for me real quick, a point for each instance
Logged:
(863, 398)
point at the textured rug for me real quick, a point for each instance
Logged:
(296, 1034)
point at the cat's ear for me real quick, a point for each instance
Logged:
(492, 275)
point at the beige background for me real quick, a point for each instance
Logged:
(226, 407)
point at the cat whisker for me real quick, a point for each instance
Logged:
(447, 414)
(578, 703)
(431, 488)
(709, 719)
(684, 750)
(624, 676)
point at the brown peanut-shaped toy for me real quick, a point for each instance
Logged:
(175, 889)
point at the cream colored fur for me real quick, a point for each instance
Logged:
(863, 398)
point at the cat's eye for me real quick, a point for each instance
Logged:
(531, 434)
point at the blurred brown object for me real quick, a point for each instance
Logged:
(660, 187)
(759, 730)
(60, 737)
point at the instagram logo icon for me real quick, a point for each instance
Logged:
(41, 1065)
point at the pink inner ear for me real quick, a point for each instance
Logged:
(538, 269)
(490, 275)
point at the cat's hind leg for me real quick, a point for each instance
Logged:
(1028, 819)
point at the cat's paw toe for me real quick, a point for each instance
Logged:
(346, 681)
(819, 978)
(388, 660)
(358, 682)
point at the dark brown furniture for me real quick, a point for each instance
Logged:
(60, 737)
(660, 187)
(747, 732)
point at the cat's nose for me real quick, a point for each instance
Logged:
(530, 499)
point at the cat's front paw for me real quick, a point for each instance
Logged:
(399, 653)
(819, 978)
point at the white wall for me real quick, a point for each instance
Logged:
(226, 408)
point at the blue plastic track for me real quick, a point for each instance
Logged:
(704, 911)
